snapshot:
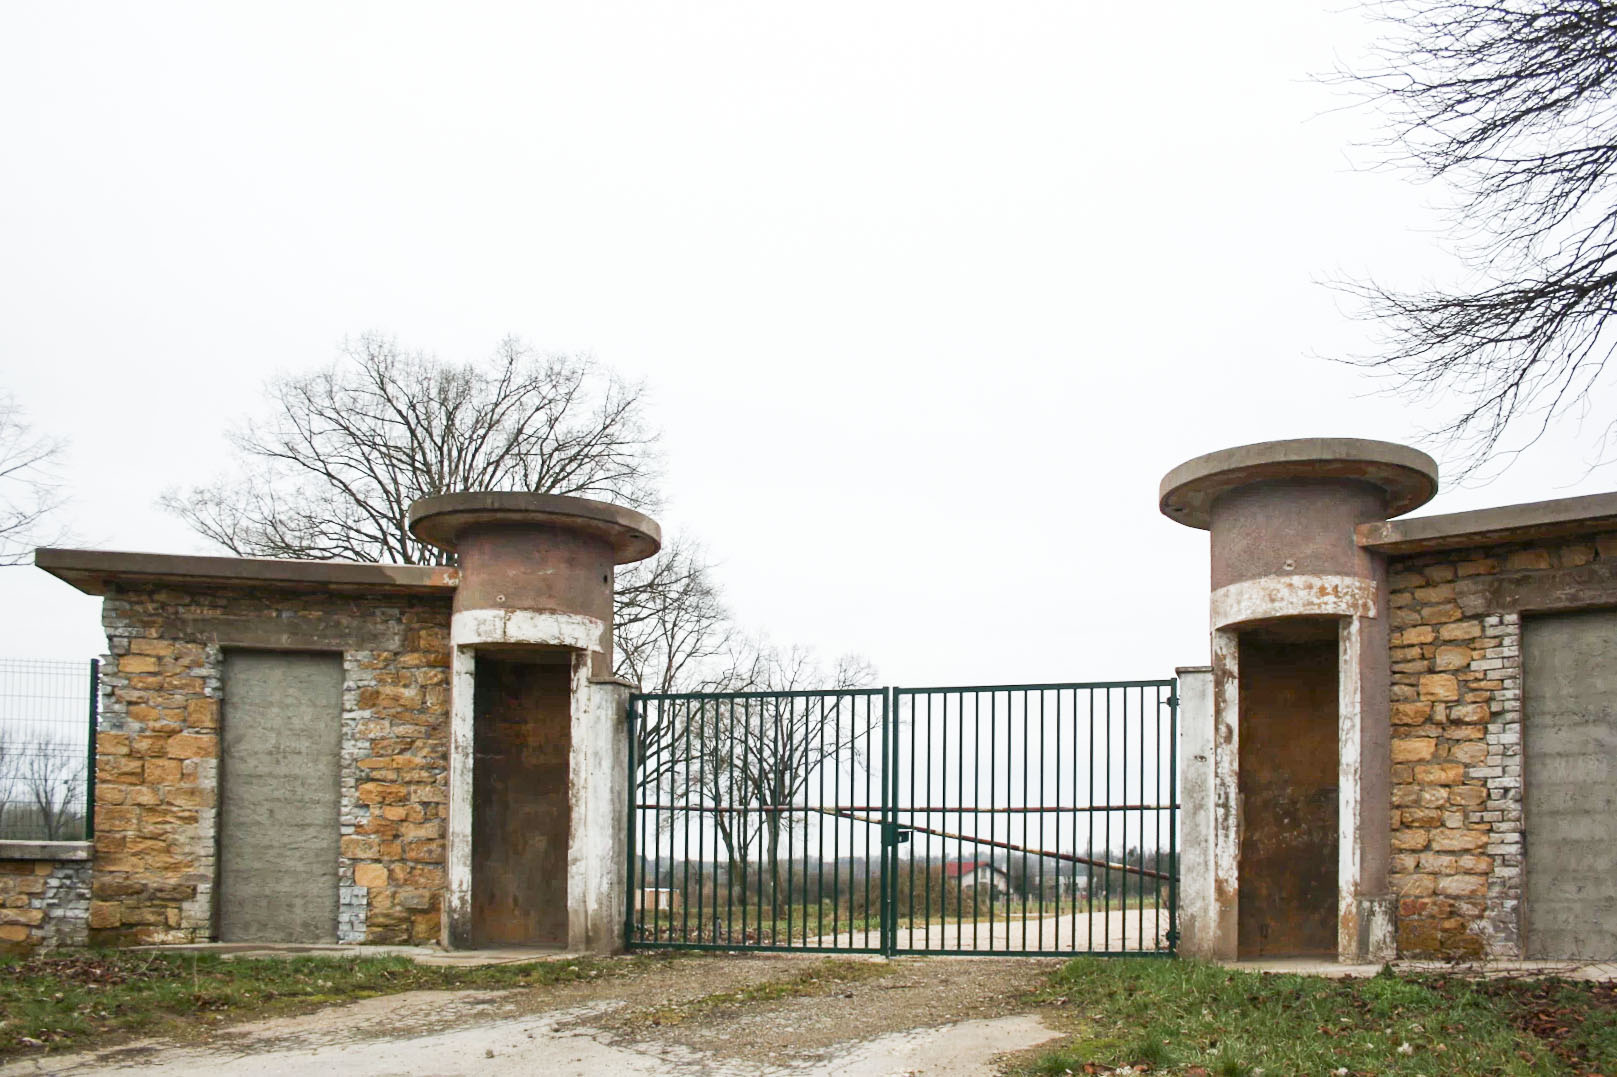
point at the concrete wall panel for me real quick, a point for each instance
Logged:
(279, 833)
(1570, 753)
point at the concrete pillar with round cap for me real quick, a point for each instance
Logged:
(1286, 785)
(538, 769)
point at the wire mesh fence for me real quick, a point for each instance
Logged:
(47, 719)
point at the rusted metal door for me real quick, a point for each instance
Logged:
(521, 814)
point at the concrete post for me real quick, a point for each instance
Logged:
(536, 575)
(1199, 749)
(1284, 560)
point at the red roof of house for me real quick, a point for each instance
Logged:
(956, 868)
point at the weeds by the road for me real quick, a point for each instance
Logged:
(823, 977)
(86, 998)
(1201, 1020)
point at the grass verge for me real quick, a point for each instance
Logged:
(1201, 1020)
(821, 978)
(94, 998)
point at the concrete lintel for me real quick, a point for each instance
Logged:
(1484, 527)
(494, 626)
(46, 850)
(1292, 596)
(92, 570)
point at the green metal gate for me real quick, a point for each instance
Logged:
(1011, 819)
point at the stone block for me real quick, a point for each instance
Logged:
(370, 875)
(202, 713)
(1441, 613)
(1413, 749)
(1411, 713)
(1451, 657)
(356, 848)
(1421, 817)
(162, 772)
(1440, 774)
(1463, 886)
(1416, 886)
(1439, 686)
(1457, 841)
(1527, 560)
(1459, 630)
(193, 746)
(1408, 839)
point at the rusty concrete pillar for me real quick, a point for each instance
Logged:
(1290, 582)
(536, 575)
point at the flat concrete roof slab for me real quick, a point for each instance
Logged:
(91, 570)
(1409, 476)
(1483, 527)
(438, 520)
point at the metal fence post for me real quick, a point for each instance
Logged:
(1173, 817)
(89, 762)
(632, 873)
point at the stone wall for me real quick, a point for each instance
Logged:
(157, 754)
(1457, 731)
(44, 895)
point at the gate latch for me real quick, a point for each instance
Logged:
(893, 834)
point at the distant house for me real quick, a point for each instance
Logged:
(974, 873)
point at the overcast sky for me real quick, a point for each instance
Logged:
(928, 296)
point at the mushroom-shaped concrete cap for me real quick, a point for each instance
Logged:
(1408, 476)
(440, 520)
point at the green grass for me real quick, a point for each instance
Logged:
(822, 977)
(91, 998)
(1192, 1018)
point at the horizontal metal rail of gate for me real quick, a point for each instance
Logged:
(1009, 819)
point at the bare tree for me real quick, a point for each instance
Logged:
(331, 472)
(1512, 103)
(51, 775)
(29, 490)
(670, 623)
(749, 761)
(42, 786)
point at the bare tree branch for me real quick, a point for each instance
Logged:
(1511, 102)
(331, 471)
(29, 489)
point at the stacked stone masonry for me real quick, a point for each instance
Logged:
(1457, 834)
(43, 904)
(158, 746)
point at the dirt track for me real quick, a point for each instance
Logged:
(938, 1017)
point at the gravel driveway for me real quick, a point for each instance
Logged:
(722, 1015)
